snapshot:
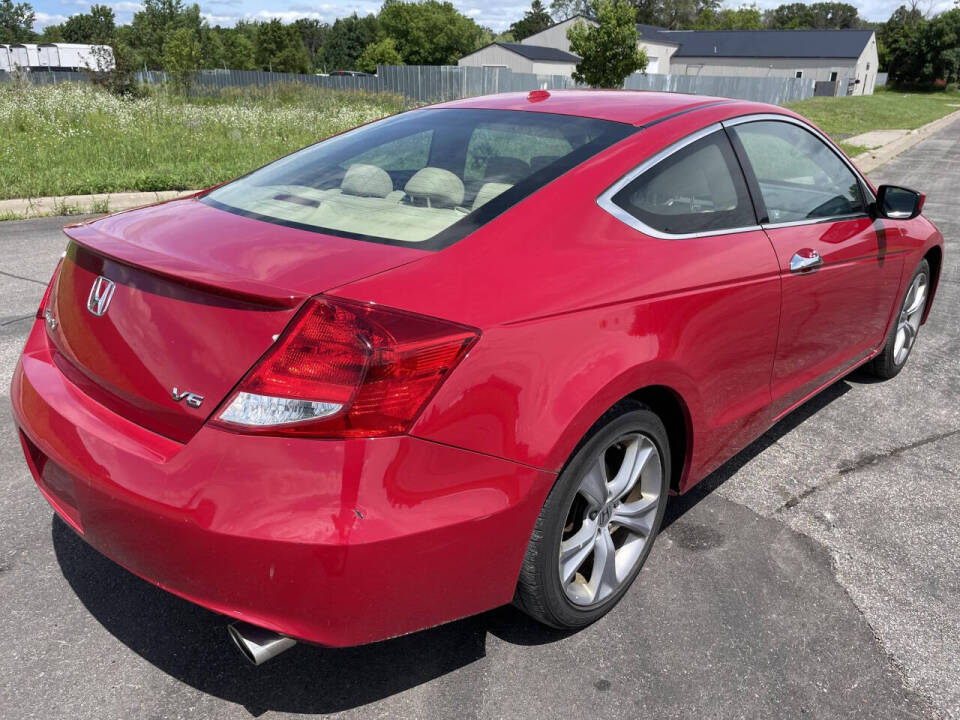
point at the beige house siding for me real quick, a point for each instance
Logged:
(554, 68)
(812, 68)
(496, 56)
(658, 56)
(867, 66)
(555, 36)
(658, 53)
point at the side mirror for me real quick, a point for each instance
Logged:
(899, 203)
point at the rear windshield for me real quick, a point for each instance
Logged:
(427, 177)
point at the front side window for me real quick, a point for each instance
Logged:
(800, 177)
(428, 177)
(696, 189)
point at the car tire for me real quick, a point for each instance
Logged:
(903, 335)
(627, 436)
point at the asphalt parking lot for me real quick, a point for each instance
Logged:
(817, 574)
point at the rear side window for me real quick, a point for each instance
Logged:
(800, 177)
(697, 189)
(428, 177)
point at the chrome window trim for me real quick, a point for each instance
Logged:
(758, 117)
(814, 221)
(605, 199)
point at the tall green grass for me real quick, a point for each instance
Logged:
(845, 117)
(77, 139)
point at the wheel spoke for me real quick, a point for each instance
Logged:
(637, 517)
(918, 291)
(574, 550)
(634, 459)
(603, 579)
(594, 484)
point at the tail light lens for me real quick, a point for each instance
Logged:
(46, 293)
(347, 369)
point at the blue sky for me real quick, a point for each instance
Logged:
(497, 14)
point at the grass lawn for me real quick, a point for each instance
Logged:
(844, 117)
(76, 139)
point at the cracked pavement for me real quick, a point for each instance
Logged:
(814, 574)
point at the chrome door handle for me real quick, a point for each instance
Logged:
(805, 260)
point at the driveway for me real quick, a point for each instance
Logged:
(816, 574)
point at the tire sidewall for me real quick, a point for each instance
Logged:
(558, 503)
(886, 365)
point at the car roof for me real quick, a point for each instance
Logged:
(634, 107)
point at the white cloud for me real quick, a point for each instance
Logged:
(43, 19)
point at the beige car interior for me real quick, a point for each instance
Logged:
(366, 203)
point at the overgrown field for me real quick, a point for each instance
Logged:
(77, 139)
(844, 117)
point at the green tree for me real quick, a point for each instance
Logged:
(95, 27)
(608, 50)
(16, 22)
(902, 41)
(280, 48)
(943, 42)
(239, 50)
(346, 41)
(834, 16)
(818, 16)
(533, 21)
(381, 52)
(562, 10)
(52, 34)
(182, 57)
(155, 24)
(429, 32)
(745, 17)
(313, 33)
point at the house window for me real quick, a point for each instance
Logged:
(799, 74)
(868, 66)
(833, 77)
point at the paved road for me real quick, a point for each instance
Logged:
(815, 575)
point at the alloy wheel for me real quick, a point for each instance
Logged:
(611, 519)
(908, 323)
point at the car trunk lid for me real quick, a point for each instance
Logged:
(196, 296)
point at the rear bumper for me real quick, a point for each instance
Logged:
(332, 542)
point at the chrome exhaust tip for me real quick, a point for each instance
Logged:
(256, 643)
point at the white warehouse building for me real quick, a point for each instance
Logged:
(827, 55)
(54, 57)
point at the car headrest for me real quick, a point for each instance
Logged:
(539, 162)
(366, 181)
(488, 191)
(441, 188)
(505, 169)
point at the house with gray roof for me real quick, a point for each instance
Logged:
(847, 57)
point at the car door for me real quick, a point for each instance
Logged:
(714, 282)
(838, 280)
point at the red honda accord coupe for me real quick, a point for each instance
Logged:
(458, 357)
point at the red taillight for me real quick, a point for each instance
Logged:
(49, 291)
(347, 369)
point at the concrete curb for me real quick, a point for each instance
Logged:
(871, 160)
(24, 208)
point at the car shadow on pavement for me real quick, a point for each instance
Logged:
(190, 643)
(679, 505)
